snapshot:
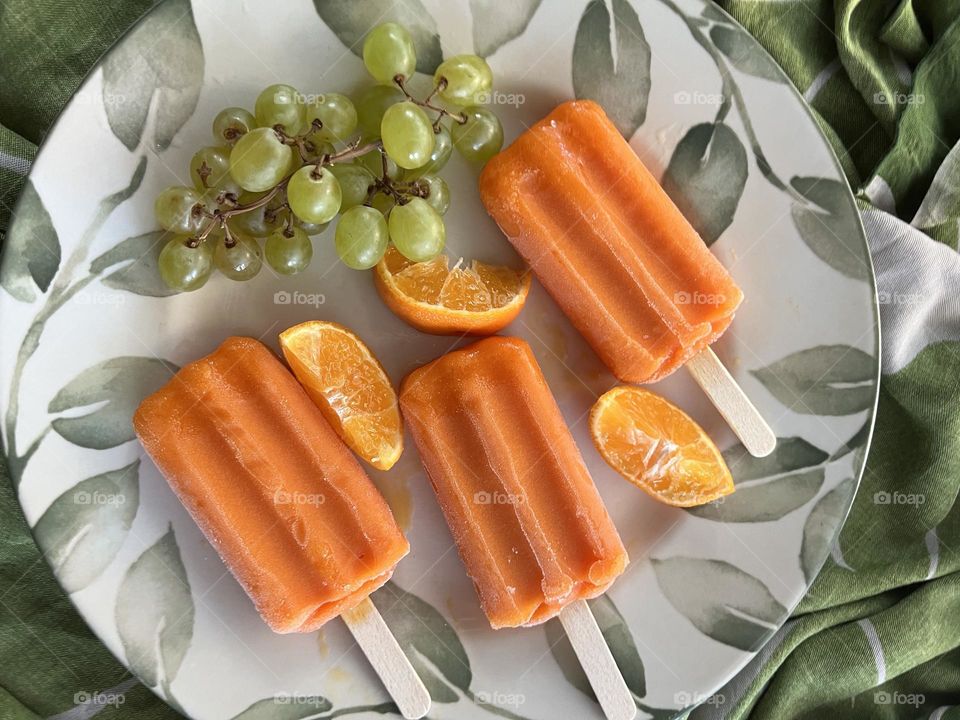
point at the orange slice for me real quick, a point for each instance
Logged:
(658, 448)
(350, 386)
(477, 300)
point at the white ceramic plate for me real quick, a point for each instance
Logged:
(88, 331)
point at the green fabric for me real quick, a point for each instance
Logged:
(878, 635)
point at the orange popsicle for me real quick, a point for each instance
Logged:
(272, 486)
(608, 244)
(527, 519)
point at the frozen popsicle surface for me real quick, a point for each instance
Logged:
(608, 243)
(528, 521)
(272, 486)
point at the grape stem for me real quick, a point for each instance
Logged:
(460, 118)
(218, 218)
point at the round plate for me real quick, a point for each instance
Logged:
(89, 331)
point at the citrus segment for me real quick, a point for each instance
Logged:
(350, 387)
(658, 448)
(476, 299)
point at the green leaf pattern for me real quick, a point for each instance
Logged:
(722, 601)
(159, 65)
(823, 380)
(154, 613)
(622, 88)
(31, 252)
(84, 528)
(120, 384)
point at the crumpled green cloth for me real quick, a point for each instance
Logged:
(878, 636)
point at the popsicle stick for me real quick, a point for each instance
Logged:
(388, 660)
(597, 662)
(744, 419)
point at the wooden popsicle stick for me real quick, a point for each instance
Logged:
(388, 659)
(728, 397)
(597, 662)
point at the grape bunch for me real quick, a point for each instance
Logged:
(281, 174)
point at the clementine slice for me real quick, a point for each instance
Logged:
(478, 299)
(658, 448)
(350, 387)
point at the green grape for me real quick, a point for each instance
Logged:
(260, 160)
(240, 262)
(464, 80)
(337, 114)
(442, 148)
(388, 51)
(371, 104)
(383, 203)
(317, 148)
(184, 268)
(361, 237)
(310, 228)
(217, 160)
(417, 230)
(281, 105)
(480, 137)
(355, 182)
(231, 124)
(314, 194)
(288, 251)
(407, 135)
(261, 221)
(176, 209)
(373, 161)
(437, 193)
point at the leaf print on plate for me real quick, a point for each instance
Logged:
(429, 641)
(82, 530)
(285, 707)
(496, 23)
(822, 525)
(830, 226)
(744, 52)
(351, 21)
(721, 600)
(622, 88)
(706, 176)
(120, 384)
(159, 64)
(822, 380)
(154, 613)
(768, 488)
(31, 252)
(619, 639)
(138, 259)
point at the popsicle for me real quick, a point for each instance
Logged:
(275, 491)
(613, 250)
(527, 519)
